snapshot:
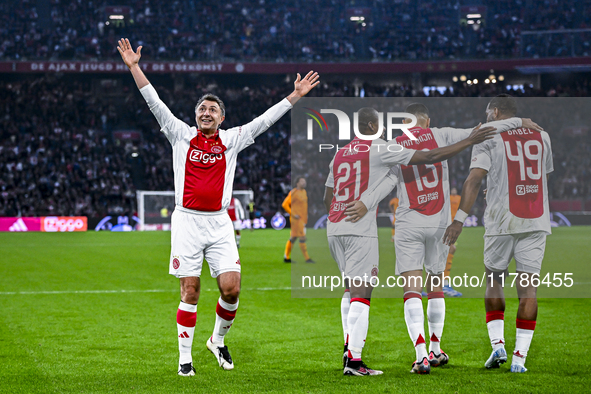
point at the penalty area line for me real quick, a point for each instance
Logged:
(125, 291)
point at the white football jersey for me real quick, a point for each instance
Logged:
(358, 166)
(423, 190)
(517, 191)
(204, 167)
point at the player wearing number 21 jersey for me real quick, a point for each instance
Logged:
(516, 219)
(359, 166)
(421, 218)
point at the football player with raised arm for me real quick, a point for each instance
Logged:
(204, 162)
(516, 165)
(421, 218)
(361, 165)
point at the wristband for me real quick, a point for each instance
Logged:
(461, 216)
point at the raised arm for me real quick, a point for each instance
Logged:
(469, 194)
(303, 86)
(131, 60)
(262, 123)
(478, 135)
(170, 125)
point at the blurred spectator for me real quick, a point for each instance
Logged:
(274, 30)
(58, 155)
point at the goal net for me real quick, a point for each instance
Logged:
(155, 208)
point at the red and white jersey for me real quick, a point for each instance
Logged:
(517, 192)
(423, 190)
(235, 210)
(357, 167)
(204, 167)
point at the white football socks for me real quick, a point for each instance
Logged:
(357, 323)
(415, 322)
(186, 318)
(436, 319)
(523, 337)
(224, 317)
(496, 327)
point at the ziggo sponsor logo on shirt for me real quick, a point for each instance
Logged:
(423, 198)
(526, 189)
(205, 158)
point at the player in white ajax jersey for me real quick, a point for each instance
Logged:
(517, 220)
(204, 161)
(237, 215)
(422, 215)
(359, 166)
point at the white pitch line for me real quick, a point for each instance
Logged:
(124, 291)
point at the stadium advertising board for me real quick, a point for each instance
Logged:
(48, 224)
(358, 151)
(282, 68)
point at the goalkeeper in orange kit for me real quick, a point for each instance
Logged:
(296, 204)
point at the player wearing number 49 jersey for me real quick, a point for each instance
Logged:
(516, 220)
(204, 161)
(361, 165)
(422, 216)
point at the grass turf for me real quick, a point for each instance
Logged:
(55, 339)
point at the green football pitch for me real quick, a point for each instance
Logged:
(95, 312)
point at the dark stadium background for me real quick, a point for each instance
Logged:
(71, 116)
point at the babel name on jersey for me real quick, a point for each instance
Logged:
(519, 132)
(522, 190)
(205, 158)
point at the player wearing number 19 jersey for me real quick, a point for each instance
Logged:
(516, 219)
(360, 166)
(421, 219)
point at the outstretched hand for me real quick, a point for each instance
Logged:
(130, 58)
(303, 85)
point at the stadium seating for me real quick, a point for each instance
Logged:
(58, 154)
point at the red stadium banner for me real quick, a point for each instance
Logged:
(51, 224)
(579, 64)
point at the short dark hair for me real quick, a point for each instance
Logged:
(418, 109)
(366, 115)
(506, 104)
(212, 97)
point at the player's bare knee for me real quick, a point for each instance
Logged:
(230, 294)
(190, 289)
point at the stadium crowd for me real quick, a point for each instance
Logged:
(272, 30)
(59, 155)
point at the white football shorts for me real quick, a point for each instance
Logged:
(356, 256)
(527, 249)
(194, 237)
(237, 225)
(418, 247)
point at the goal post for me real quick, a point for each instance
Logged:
(155, 208)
